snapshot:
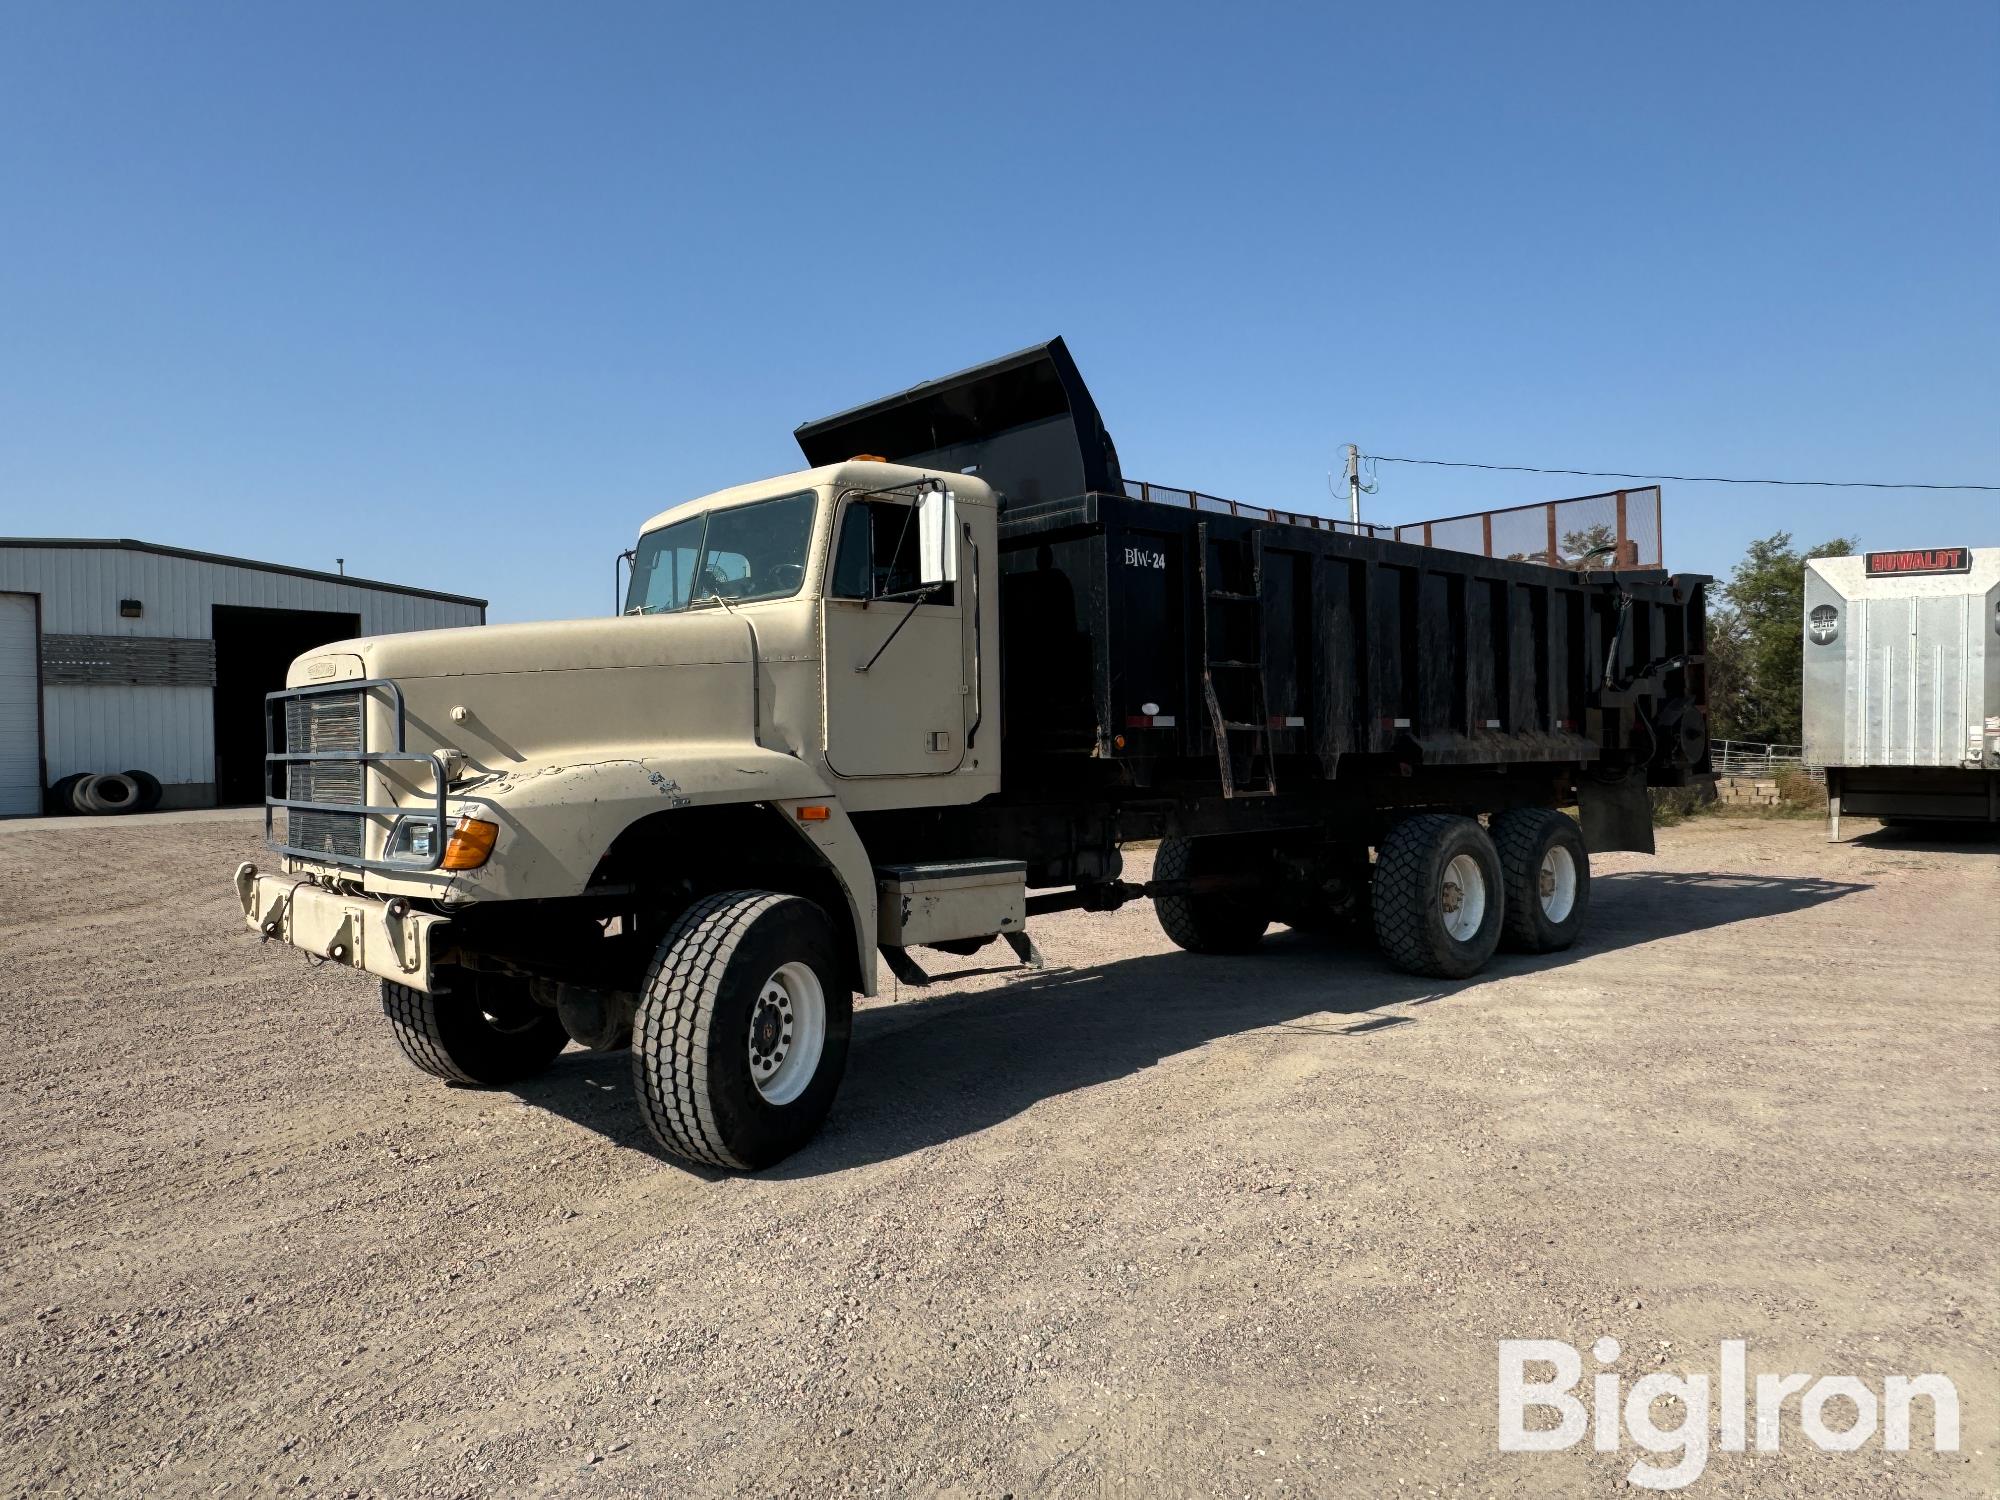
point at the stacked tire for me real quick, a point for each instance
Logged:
(104, 794)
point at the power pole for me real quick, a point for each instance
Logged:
(1354, 485)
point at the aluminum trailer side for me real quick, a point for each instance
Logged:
(1902, 683)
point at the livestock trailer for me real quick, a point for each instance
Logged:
(1902, 683)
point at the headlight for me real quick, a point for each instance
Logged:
(414, 839)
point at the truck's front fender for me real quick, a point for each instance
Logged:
(557, 822)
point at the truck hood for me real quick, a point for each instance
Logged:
(703, 637)
(509, 698)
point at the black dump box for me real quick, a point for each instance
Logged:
(1257, 648)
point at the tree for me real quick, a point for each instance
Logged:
(1756, 649)
(1582, 542)
(1576, 545)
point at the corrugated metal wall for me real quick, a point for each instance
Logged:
(170, 731)
(81, 587)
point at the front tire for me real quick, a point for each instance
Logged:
(484, 1031)
(1211, 921)
(1438, 897)
(1545, 872)
(742, 1032)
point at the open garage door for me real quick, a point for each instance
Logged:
(20, 708)
(253, 649)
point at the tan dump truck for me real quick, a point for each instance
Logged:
(877, 708)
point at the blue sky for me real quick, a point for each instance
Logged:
(463, 293)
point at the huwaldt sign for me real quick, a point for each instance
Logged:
(1933, 560)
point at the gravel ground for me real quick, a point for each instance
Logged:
(1140, 1224)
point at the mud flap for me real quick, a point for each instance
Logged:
(1616, 814)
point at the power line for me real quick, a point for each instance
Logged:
(1822, 484)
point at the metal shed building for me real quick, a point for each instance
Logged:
(121, 655)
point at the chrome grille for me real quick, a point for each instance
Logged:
(327, 722)
(324, 832)
(320, 756)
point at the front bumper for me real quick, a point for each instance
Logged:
(384, 937)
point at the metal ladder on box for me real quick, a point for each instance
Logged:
(1242, 745)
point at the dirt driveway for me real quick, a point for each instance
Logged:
(1142, 1224)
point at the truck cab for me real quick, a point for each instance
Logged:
(868, 576)
(509, 810)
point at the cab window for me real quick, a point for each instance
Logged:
(879, 554)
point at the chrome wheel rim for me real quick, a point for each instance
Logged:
(1462, 897)
(787, 1032)
(1558, 884)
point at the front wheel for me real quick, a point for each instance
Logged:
(485, 1030)
(1438, 901)
(742, 1030)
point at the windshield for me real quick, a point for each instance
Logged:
(754, 551)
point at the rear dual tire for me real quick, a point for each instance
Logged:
(1210, 921)
(1546, 875)
(1438, 903)
(1447, 893)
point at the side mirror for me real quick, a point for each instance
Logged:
(937, 538)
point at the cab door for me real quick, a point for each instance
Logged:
(894, 638)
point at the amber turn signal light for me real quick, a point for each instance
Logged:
(471, 844)
(813, 812)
